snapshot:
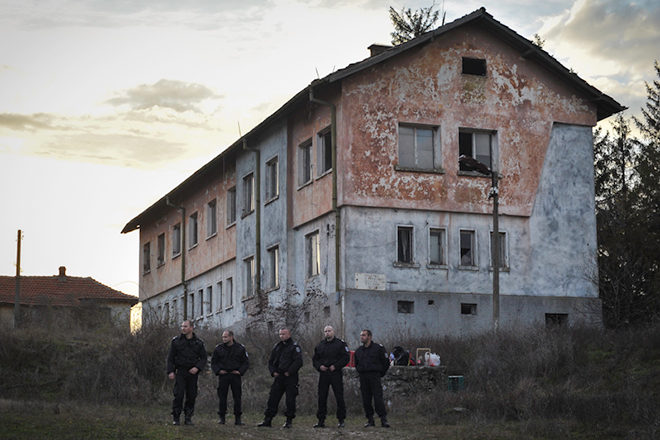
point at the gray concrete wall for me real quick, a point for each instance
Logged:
(439, 314)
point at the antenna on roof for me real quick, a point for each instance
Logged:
(444, 13)
(317, 73)
(239, 129)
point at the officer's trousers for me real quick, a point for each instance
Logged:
(371, 388)
(281, 385)
(225, 381)
(335, 380)
(185, 384)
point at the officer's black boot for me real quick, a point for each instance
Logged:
(265, 423)
(237, 421)
(221, 421)
(288, 423)
(370, 422)
(320, 424)
(340, 424)
(188, 421)
(383, 422)
(176, 420)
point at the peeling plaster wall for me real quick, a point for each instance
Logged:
(552, 256)
(516, 98)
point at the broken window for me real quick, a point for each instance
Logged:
(272, 179)
(468, 309)
(231, 206)
(405, 306)
(218, 290)
(248, 194)
(404, 244)
(192, 230)
(503, 255)
(437, 240)
(200, 303)
(248, 264)
(176, 239)
(416, 147)
(274, 270)
(467, 239)
(312, 254)
(474, 66)
(209, 300)
(305, 162)
(477, 145)
(146, 258)
(161, 249)
(211, 218)
(324, 142)
(556, 319)
(229, 287)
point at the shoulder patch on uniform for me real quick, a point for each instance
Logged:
(346, 348)
(381, 345)
(297, 348)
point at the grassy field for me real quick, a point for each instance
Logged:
(519, 384)
(66, 421)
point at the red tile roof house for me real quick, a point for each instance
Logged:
(47, 300)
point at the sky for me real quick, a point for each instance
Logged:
(105, 106)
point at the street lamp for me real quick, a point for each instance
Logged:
(471, 164)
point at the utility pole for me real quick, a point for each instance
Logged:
(17, 296)
(471, 164)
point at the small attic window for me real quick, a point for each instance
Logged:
(474, 66)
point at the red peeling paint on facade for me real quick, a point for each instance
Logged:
(516, 99)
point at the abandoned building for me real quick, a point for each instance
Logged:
(348, 204)
(63, 301)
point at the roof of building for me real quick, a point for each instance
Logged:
(59, 290)
(605, 105)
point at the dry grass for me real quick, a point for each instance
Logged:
(574, 383)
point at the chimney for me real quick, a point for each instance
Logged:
(376, 49)
(62, 271)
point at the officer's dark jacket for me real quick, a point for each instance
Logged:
(372, 359)
(186, 353)
(334, 353)
(230, 358)
(286, 357)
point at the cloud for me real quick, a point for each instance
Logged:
(176, 95)
(14, 121)
(625, 33)
(145, 139)
(198, 14)
(120, 149)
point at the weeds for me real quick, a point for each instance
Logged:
(606, 380)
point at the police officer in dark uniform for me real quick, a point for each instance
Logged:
(371, 363)
(229, 363)
(185, 360)
(284, 362)
(330, 356)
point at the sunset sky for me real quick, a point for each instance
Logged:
(106, 105)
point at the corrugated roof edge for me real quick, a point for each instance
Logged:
(606, 105)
